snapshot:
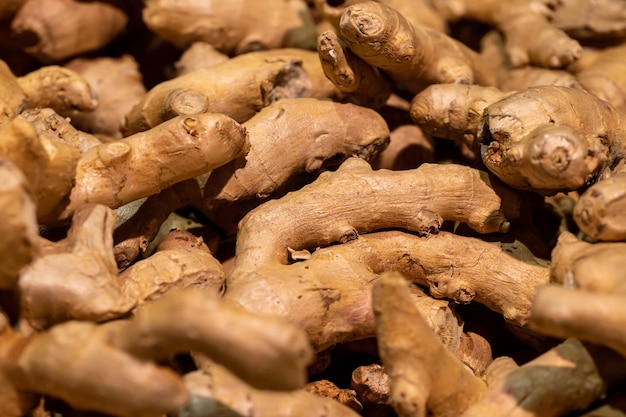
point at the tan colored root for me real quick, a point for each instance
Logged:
(562, 380)
(238, 88)
(599, 212)
(424, 377)
(48, 163)
(59, 88)
(182, 261)
(57, 128)
(146, 163)
(52, 30)
(199, 55)
(118, 84)
(595, 267)
(214, 388)
(12, 98)
(267, 352)
(79, 270)
(19, 226)
(601, 21)
(336, 208)
(454, 111)
(409, 147)
(325, 388)
(371, 384)
(413, 57)
(550, 139)
(233, 28)
(594, 317)
(335, 132)
(360, 82)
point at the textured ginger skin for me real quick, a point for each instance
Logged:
(48, 163)
(143, 164)
(599, 212)
(424, 377)
(216, 390)
(233, 27)
(118, 84)
(414, 57)
(59, 88)
(592, 20)
(19, 224)
(199, 55)
(562, 380)
(360, 82)
(52, 30)
(550, 139)
(238, 88)
(80, 270)
(334, 131)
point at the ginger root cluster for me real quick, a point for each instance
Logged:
(312, 208)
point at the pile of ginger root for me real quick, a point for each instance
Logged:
(312, 208)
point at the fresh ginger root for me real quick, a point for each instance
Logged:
(548, 46)
(592, 21)
(216, 389)
(238, 88)
(19, 225)
(562, 380)
(12, 97)
(335, 132)
(145, 163)
(325, 388)
(273, 24)
(359, 81)
(199, 55)
(118, 84)
(425, 378)
(414, 57)
(266, 352)
(53, 30)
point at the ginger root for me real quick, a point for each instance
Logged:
(425, 378)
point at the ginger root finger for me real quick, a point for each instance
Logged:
(594, 317)
(417, 200)
(560, 381)
(599, 212)
(143, 164)
(360, 82)
(59, 88)
(412, 56)
(273, 24)
(424, 377)
(52, 30)
(198, 55)
(267, 352)
(238, 88)
(19, 225)
(119, 86)
(216, 389)
(79, 270)
(99, 378)
(335, 132)
(595, 267)
(550, 139)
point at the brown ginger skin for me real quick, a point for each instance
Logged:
(334, 132)
(199, 55)
(233, 28)
(52, 30)
(239, 88)
(598, 21)
(562, 380)
(143, 164)
(414, 57)
(424, 377)
(12, 97)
